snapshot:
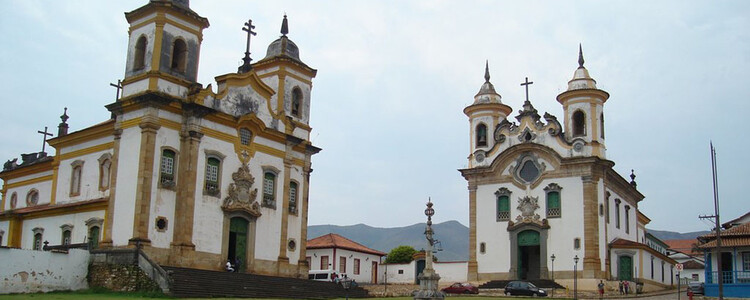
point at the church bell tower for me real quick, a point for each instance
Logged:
(163, 48)
(484, 114)
(583, 106)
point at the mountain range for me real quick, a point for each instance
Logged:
(453, 237)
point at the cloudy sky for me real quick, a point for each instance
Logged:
(394, 77)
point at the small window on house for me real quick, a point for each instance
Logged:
(293, 198)
(140, 53)
(324, 262)
(481, 135)
(356, 266)
(482, 247)
(577, 243)
(601, 209)
(296, 102)
(2, 233)
(13, 200)
(652, 267)
(105, 164)
(601, 124)
(245, 136)
(75, 178)
(606, 207)
(291, 245)
(579, 123)
(212, 176)
(179, 56)
(662, 271)
(269, 189)
(32, 198)
(166, 177)
(342, 264)
(401, 271)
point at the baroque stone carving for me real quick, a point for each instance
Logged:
(241, 197)
(528, 206)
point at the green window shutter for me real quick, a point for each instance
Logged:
(503, 208)
(553, 204)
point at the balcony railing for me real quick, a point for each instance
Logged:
(728, 277)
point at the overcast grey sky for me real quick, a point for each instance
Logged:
(394, 77)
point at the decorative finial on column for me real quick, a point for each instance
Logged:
(580, 56)
(62, 128)
(632, 178)
(284, 26)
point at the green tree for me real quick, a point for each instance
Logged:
(400, 255)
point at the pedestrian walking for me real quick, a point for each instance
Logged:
(601, 289)
(627, 287)
(621, 286)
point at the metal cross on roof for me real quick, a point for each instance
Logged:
(45, 134)
(526, 83)
(246, 60)
(118, 86)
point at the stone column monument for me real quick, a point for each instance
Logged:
(428, 279)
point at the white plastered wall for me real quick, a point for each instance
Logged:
(43, 187)
(52, 231)
(127, 177)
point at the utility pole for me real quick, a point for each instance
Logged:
(717, 223)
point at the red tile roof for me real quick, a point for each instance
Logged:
(621, 243)
(737, 236)
(687, 246)
(692, 265)
(333, 240)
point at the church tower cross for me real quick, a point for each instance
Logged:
(45, 134)
(526, 83)
(246, 60)
(118, 86)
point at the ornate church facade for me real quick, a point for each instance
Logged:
(193, 176)
(542, 189)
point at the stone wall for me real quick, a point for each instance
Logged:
(121, 278)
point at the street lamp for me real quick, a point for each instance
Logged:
(553, 274)
(575, 277)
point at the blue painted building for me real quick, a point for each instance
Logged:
(735, 260)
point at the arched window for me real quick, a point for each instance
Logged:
(296, 102)
(269, 189)
(579, 123)
(166, 177)
(481, 135)
(213, 166)
(577, 243)
(606, 206)
(93, 237)
(617, 213)
(293, 198)
(38, 238)
(65, 237)
(139, 60)
(105, 164)
(179, 56)
(75, 178)
(32, 198)
(13, 200)
(627, 218)
(245, 136)
(601, 124)
(503, 204)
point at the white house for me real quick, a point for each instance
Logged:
(344, 256)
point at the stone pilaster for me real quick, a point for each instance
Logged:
(473, 270)
(182, 239)
(283, 259)
(302, 262)
(149, 127)
(109, 215)
(591, 260)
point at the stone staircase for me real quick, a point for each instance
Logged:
(194, 283)
(540, 283)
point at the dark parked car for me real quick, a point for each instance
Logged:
(696, 288)
(461, 288)
(524, 288)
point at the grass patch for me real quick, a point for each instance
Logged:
(93, 293)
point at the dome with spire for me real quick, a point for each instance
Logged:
(283, 46)
(581, 79)
(487, 93)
